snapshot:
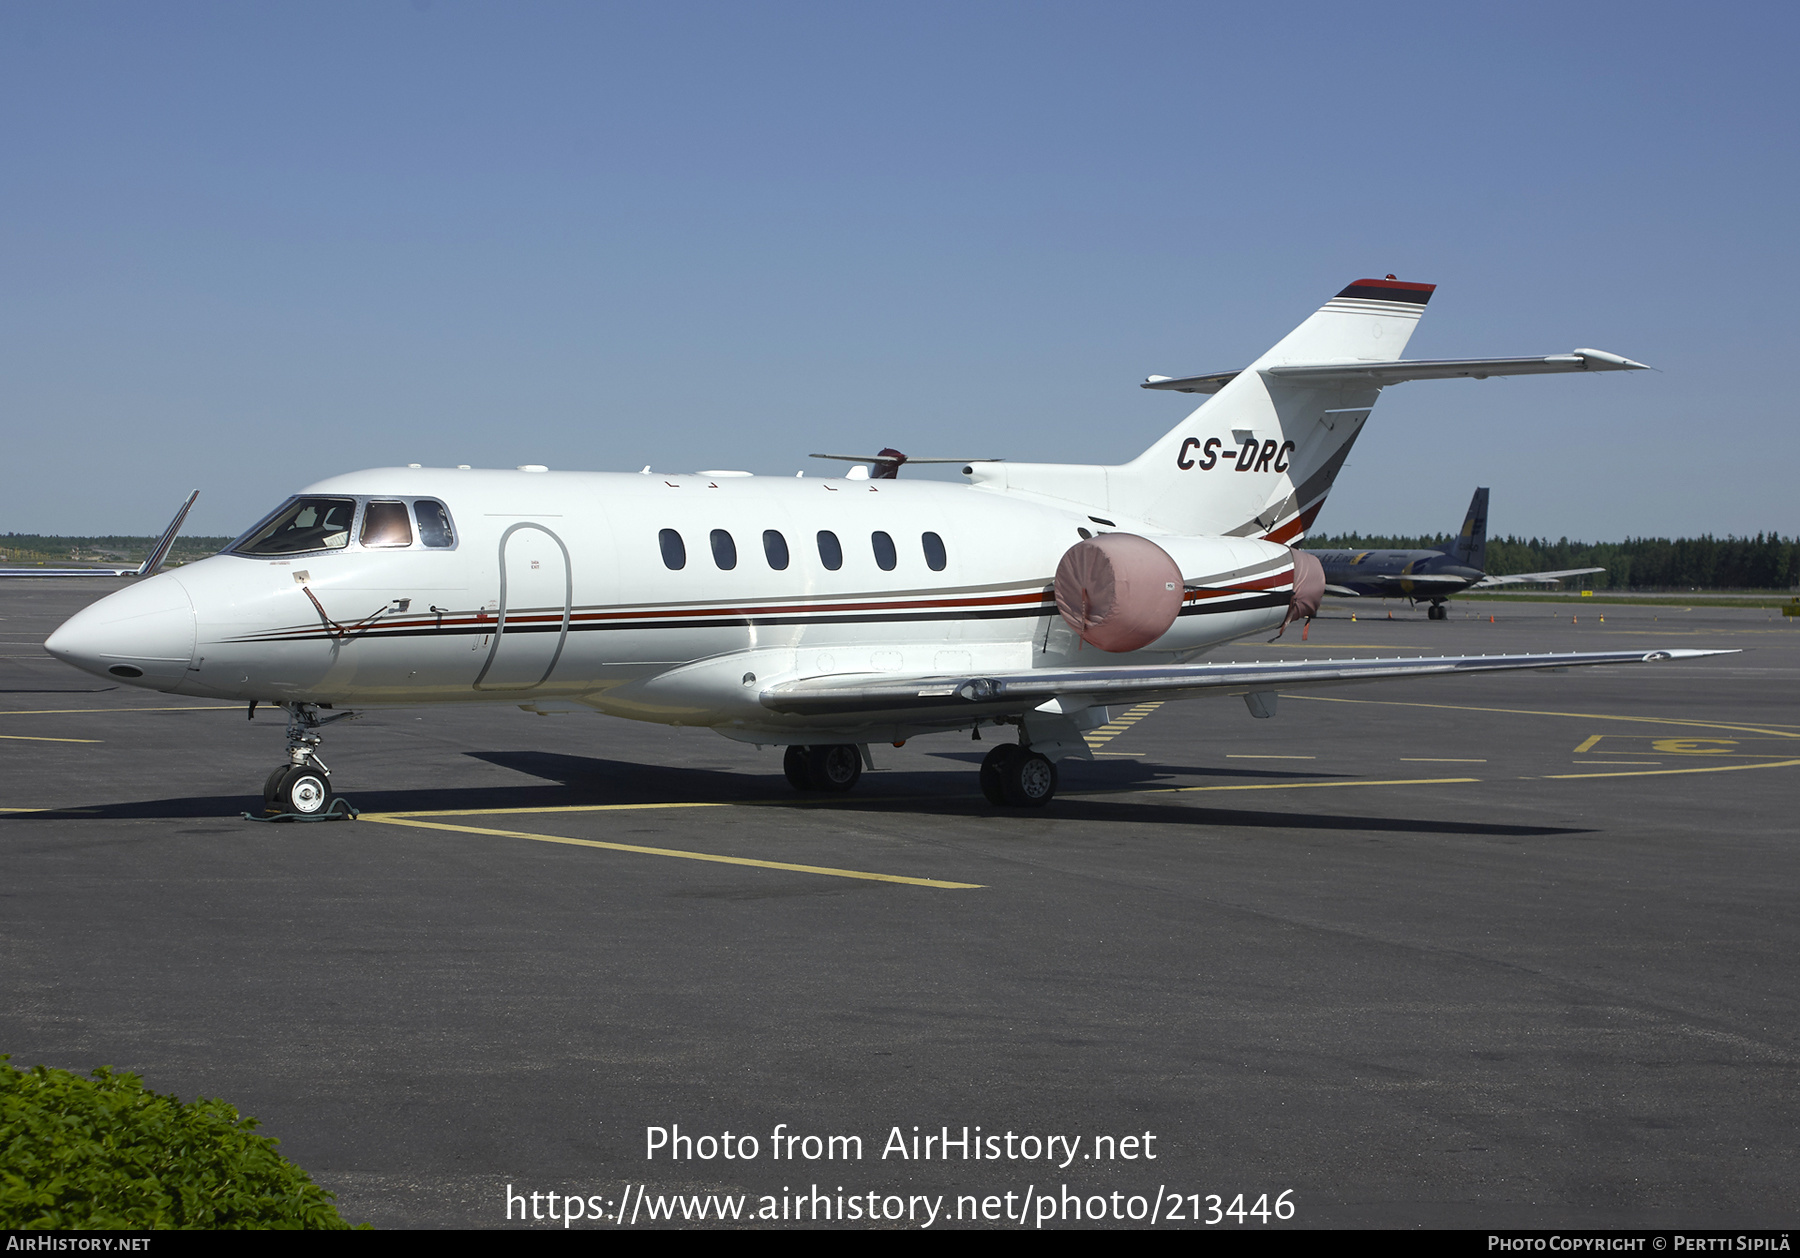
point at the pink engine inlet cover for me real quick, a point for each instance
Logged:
(1119, 591)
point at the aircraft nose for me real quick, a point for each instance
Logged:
(144, 634)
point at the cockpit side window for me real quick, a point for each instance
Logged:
(304, 524)
(435, 529)
(386, 524)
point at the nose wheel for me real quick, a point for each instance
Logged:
(302, 786)
(302, 791)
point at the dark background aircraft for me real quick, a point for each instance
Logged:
(1427, 575)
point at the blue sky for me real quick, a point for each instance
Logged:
(244, 246)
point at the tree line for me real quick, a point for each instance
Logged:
(1767, 561)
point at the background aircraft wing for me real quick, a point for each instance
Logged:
(994, 694)
(1422, 578)
(152, 561)
(68, 572)
(1531, 578)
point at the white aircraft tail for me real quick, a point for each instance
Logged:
(1258, 457)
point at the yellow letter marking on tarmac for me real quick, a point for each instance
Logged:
(1695, 746)
(395, 820)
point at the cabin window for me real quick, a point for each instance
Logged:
(935, 559)
(724, 550)
(386, 524)
(831, 553)
(885, 555)
(674, 550)
(775, 550)
(303, 524)
(434, 523)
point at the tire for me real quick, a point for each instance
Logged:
(1030, 780)
(303, 791)
(274, 783)
(994, 772)
(834, 767)
(794, 764)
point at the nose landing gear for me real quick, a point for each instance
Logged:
(302, 786)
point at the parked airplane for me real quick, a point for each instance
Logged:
(152, 562)
(1428, 575)
(819, 615)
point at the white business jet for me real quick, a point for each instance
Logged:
(819, 615)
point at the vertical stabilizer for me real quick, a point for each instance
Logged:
(1470, 549)
(1258, 458)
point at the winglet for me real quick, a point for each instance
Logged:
(160, 551)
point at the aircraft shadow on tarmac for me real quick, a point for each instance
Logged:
(580, 780)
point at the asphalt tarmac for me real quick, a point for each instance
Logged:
(1470, 952)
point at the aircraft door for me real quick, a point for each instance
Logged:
(536, 586)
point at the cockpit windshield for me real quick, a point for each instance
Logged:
(303, 524)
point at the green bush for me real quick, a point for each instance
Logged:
(107, 1152)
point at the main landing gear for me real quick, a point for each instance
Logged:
(302, 786)
(1437, 611)
(1018, 777)
(828, 767)
(1012, 776)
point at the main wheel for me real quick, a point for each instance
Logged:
(794, 764)
(305, 791)
(1030, 780)
(993, 771)
(835, 767)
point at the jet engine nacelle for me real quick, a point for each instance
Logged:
(1122, 592)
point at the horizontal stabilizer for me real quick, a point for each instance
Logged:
(1380, 374)
(950, 694)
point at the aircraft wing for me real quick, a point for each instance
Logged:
(1424, 578)
(68, 572)
(977, 696)
(1380, 374)
(1531, 578)
(152, 561)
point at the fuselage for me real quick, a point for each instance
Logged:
(1414, 574)
(568, 586)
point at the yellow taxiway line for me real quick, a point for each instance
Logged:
(1586, 716)
(32, 738)
(392, 819)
